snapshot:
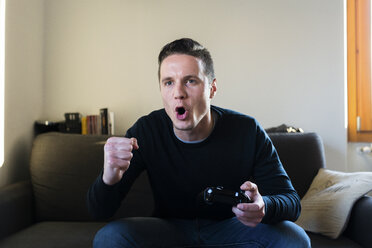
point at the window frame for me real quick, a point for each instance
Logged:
(359, 71)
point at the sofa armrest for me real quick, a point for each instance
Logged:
(16, 210)
(360, 223)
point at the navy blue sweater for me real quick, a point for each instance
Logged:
(237, 150)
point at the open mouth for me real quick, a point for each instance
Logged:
(181, 113)
(180, 110)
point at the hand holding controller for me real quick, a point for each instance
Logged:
(226, 196)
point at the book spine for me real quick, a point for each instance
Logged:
(90, 124)
(98, 125)
(93, 124)
(104, 121)
(111, 123)
(84, 125)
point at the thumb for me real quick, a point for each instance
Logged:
(250, 187)
(135, 143)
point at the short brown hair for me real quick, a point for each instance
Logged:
(189, 47)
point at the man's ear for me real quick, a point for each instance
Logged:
(213, 88)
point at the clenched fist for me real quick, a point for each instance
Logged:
(118, 153)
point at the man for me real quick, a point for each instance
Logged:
(186, 147)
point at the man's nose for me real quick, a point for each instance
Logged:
(179, 91)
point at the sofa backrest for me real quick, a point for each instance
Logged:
(302, 155)
(63, 166)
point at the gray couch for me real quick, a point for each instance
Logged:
(49, 210)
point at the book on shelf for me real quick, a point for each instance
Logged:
(111, 122)
(93, 124)
(102, 123)
(84, 125)
(104, 120)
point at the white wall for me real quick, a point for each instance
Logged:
(23, 84)
(279, 61)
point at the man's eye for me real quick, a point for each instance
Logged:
(191, 81)
(167, 83)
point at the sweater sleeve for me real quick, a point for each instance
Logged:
(99, 194)
(104, 200)
(281, 199)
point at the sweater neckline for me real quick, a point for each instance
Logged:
(216, 115)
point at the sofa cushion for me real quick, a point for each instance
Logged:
(320, 241)
(54, 234)
(360, 225)
(326, 206)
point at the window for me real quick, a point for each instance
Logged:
(2, 78)
(359, 70)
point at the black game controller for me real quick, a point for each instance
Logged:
(226, 196)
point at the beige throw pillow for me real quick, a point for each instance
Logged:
(327, 204)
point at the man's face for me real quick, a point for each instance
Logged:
(186, 93)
